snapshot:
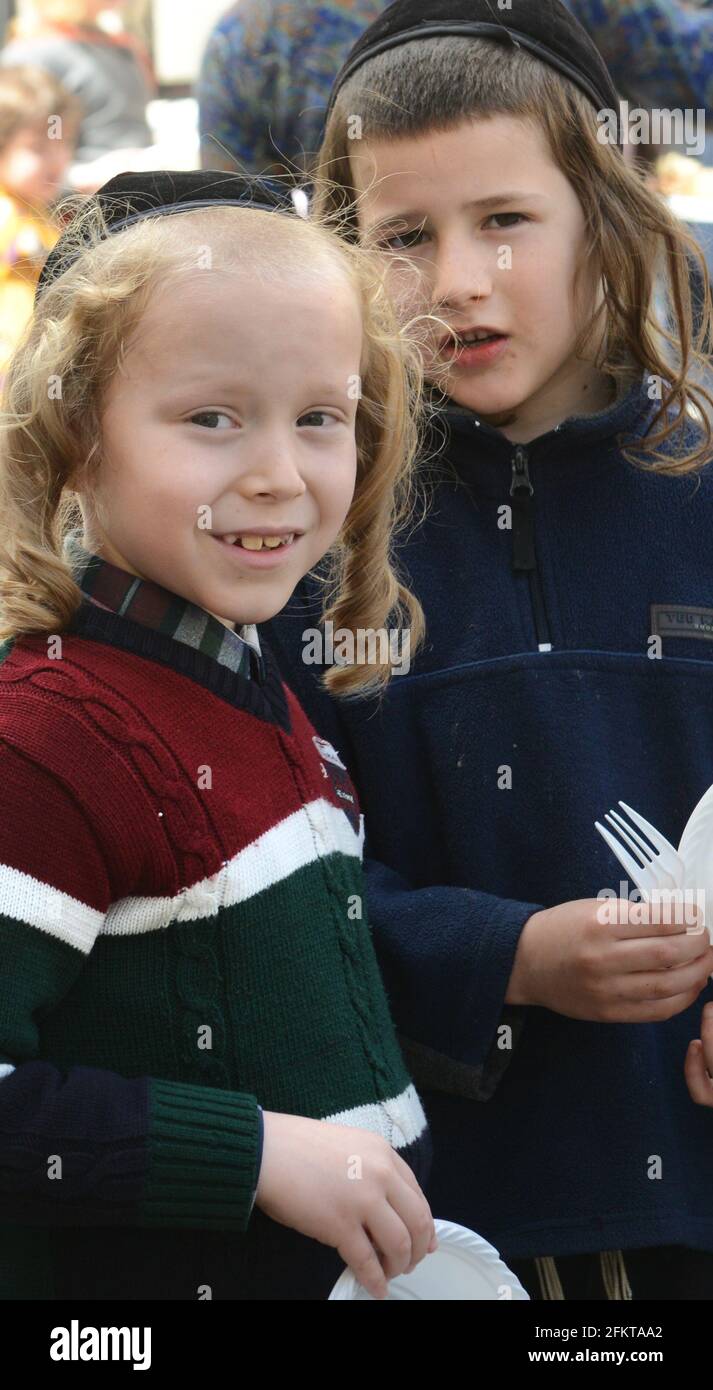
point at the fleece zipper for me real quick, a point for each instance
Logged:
(524, 555)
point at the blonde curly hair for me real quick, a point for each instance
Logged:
(50, 426)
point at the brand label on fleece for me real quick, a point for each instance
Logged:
(682, 620)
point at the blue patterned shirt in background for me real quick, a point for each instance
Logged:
(659, 52)
(265, 79)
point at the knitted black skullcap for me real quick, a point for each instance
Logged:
(130, 197)
(544, 27)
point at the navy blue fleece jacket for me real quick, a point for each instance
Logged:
(539, 660)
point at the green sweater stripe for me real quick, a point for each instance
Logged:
(42, 969)
(201, 1013)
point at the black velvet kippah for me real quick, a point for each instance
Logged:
(130, 197)
(544, 27)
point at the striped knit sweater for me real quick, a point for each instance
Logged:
(183, 940)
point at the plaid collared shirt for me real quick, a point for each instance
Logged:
(146, 602)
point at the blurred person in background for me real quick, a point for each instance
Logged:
(84, 44)
(7, 10)
(660, 55)
(39, 122)
(661, 51)
(265, 79)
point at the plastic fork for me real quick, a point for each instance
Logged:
(657, 865)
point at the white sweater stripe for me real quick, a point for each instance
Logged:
(400, 1121)
(314, 831)
(29, 900)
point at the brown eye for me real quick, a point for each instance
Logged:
(313, 415)
(209, 418)
(403, 240)
(514, 217)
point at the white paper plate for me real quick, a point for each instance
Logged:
(464, 1267)
(696, 851)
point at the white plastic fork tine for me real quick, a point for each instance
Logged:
(660, 876)
(641, 877)
(633, 840)
(655, 836)
(670, 858)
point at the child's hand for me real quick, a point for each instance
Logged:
(699, 1062)
(636, 968)
(347, 1188)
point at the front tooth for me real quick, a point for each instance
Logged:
(272, 542)
(252, 542)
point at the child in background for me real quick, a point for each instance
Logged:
(566, 574)
(38, 129)
(108, 70)
(192, 1023)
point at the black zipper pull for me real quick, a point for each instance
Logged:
(523, 522)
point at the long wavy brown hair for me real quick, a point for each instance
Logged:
(656, 290)
(50, 428)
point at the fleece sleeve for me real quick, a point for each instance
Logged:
(446, 953)
(87, 1146)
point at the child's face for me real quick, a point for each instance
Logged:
(233, 411)
(33, 166)
(93, 8)
(480, 187)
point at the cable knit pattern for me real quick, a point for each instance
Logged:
(180, 856)
(352, 959)
(117, 722)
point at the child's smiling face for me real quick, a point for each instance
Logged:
(234, 410)
(458, 198)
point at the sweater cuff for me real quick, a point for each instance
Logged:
(203, 1147)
